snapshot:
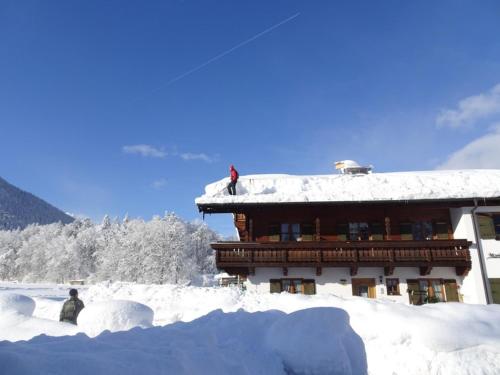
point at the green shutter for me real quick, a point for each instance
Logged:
(414, 292)
(342, 231)
(309, 287)
(377, 231)
(486, 227)
(274, 233)
(451, 290)
(406, 231)
(275, 286)
(442, 231)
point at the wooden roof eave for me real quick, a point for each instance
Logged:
(209, 208)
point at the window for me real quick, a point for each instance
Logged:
(496, 222)
(406, 231)
(342, 232)
(290, 232)
(442, 230)
(293, 286)
(422, 230)
(274, 233)
(425, 291)
(392, 287)
(486, 227)
(285, 232)
(358, 231)
(307, 233)
(377, 231)
(419, 230)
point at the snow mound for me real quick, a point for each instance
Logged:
(324, 344)
(16, 303)
(115, 315)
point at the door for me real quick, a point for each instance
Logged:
(363, 288)
(495, 290)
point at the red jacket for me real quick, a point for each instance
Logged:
(234, 174)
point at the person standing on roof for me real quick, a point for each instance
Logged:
(231, 187)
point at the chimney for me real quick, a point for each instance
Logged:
(351, 167)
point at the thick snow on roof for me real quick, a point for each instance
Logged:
(439, 185)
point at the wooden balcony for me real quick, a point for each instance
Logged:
(243, 257)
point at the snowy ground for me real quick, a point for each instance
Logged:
(211, 330)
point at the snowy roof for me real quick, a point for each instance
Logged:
(398, 186)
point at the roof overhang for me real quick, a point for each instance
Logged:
(212, 208)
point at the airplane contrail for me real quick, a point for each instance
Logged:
(226, 52)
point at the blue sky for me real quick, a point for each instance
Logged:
(133, 107)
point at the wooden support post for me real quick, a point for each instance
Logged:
(389, 270)
(462, 270)
(318, 229)
(425, 270)
(250, 230)
(387, 222)
(354, 270)
(285, 271)
(318, 271)
(251, 271)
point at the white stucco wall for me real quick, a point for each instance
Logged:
(330, 279)
(463, 227)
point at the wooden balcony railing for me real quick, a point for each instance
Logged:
(241, 257)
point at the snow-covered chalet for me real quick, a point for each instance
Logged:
(412, 237)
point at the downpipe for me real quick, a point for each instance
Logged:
(482, 265)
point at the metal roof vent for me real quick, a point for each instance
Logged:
(351, 167)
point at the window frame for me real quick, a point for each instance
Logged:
(398, 292)
(303, 283)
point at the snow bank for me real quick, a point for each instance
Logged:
(259, 334)
(17, 323)
(454, 184)
(16, 303)
(318, 341)
(115, 315)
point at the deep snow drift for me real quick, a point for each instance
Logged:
(456, 184)
(266, 334)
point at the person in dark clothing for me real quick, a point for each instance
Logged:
(71, 308)
(231, 187)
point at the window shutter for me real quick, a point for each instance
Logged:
(451, 290)
(442, 231)
(309, 287)
(406, 231)
(342, 231)
(275, 286)
(274, 233)
(377, 231)
(486, 227)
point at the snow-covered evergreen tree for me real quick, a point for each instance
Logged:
(162, 250)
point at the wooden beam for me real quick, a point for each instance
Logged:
(462, 270)
(318, 271)
(354, 270)
(425, 270)
(389, 270)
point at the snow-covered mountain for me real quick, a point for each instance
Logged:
(19, 208)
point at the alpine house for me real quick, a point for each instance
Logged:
(412, 237)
